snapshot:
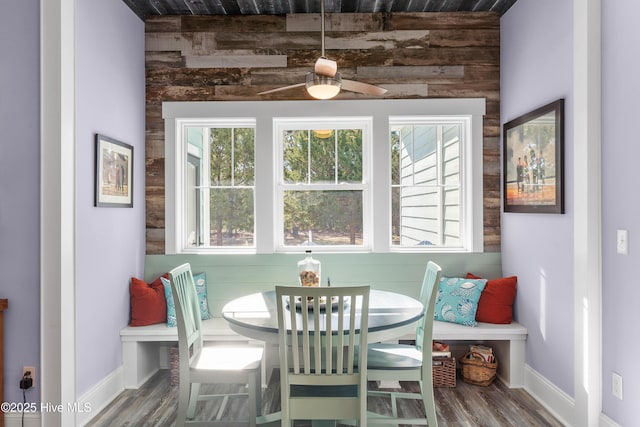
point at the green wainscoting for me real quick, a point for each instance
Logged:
(230, 276)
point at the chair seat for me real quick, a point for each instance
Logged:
(228, 358)
(393, 357)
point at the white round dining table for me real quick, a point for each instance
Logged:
(391, 315)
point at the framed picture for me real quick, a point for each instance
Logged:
(533, 168)
(114, 173)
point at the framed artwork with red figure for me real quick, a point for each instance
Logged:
(533, 168)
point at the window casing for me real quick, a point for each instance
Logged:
(427, 176)
(217, 186)
(381, 119)
(322, 183)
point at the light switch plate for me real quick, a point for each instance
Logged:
(622, 242)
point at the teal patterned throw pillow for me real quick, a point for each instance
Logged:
(457, 300)
(200, 280)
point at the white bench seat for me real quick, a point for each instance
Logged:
(144, 348)
(143, 355)
(507, 341)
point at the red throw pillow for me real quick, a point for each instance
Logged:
(148, 304)
(496, 300)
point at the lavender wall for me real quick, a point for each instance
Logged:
(536, 68)
(110, 241)
(620, 206)
(20, 189)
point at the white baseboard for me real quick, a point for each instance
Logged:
(607, 422)
(31, 419)
(87, 406)
(103, 393)
(551, 397)
(556, 401)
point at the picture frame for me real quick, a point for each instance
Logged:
(533, 161)
(113, 173)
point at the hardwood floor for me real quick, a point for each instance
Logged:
(155, 404)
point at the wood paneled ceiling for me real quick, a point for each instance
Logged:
(146, 8)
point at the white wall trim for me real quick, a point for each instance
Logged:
(31, 419)
(587, 204)
(57, 206)
(607, 422)
(556, 401)
(100, 396)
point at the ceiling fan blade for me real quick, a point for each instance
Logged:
(360, 87)
(281, 88)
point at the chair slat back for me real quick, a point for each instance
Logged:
(188, 318)
(326, 328)
(428, 292)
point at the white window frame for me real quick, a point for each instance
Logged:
(380, 112)
(180, 205)
(282, 124)
(466, 183)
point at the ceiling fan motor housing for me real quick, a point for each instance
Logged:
(326, 67)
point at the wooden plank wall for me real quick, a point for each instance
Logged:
(413, 55)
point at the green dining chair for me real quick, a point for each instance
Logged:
(401, 362)
(320, 331)
(211, 364)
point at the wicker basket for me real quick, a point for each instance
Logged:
(444, 372)
(174, 364)
(475, 370)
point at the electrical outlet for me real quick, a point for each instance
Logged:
(31, 369)
(616, 385)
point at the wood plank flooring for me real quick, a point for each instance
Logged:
(155, 404)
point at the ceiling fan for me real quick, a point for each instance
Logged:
(325, 82)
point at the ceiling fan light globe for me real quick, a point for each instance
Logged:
(323, 87)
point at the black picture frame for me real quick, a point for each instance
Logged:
(533, 161)
(113, 173)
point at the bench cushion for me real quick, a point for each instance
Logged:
(444, 331)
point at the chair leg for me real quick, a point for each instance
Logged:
(258, 381)
(254, 390)
(429, 404)
(193, 400)
(183, 403)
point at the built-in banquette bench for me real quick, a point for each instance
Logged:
(144, 348)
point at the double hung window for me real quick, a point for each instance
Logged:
(218, 185)
(427, 203)
(321, 183)
(265, 177)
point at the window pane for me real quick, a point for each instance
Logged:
(396, 156)
(295, 163)
(232, 217)
(220, 155)
(350, 155)
(323, 158)
(322, 218)
(243, 156)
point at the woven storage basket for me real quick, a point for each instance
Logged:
(475, 370)
(444, 372)
(174, 364)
